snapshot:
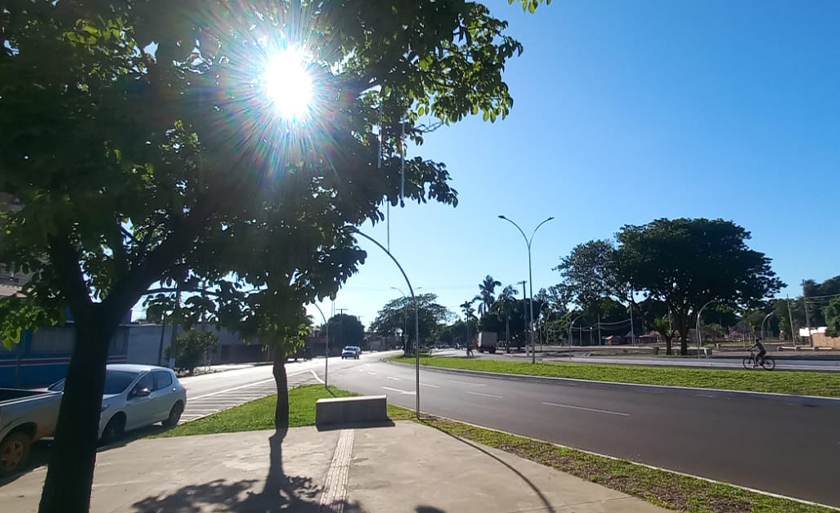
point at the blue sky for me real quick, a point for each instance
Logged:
(626, 111)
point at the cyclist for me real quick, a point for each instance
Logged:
(759, 358)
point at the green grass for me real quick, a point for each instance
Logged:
(659, 487)
(825, 384)
(259, 414)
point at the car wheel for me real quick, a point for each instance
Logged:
(174, 415)
(114, 430)
(14, 449)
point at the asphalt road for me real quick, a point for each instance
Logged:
(776, 446)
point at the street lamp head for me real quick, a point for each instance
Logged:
(502, 217)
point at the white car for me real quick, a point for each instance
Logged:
(351, 352)
(136, 396)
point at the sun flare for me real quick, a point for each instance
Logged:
(288, 84)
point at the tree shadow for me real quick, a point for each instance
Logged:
(548, 507)
(428, 509)
(280, 493)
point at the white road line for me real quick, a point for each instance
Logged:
(230, 389)
(467, 383)
(398, 390)
(321, 381)
(361, 370)
(371, 373)
(393, 378)
(428, 385)
(588, 409)
(486, 395)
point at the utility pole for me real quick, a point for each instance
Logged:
(524, 298)
(599, 328)
(340, 326)
(632, 330)
(807, 314)
(790, 316)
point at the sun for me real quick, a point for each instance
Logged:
(288, 84)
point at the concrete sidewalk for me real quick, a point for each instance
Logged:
(406, 468)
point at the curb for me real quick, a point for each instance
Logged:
(807, 400)
(654, 467)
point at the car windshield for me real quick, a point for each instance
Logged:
(115, 382)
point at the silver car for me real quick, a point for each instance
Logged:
(137, 396)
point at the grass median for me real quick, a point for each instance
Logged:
(660, 487)
(259, 414)
(826, 384)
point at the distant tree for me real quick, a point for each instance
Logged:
(832, 317)
(592, 272)
(392, 318)
(191, 347)
(662, 325)
(485, 296)
(688, 262)
(346, 330)
(504, 308)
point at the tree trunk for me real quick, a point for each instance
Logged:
(281, 412)
(507, 333)
(668, 347)
(73, 453)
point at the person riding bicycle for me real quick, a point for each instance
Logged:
(759, 358)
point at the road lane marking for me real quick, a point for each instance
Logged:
(232, 389)
(595, 410)
(486, 395)
(321, 381)
(371, 373)
(428, 385)
(398, 390)
(393, 378)
(466, 383)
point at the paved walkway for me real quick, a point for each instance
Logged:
(407, 468)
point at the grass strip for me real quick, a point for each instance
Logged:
(826, 384)
(659, 487)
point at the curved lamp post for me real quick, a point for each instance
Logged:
(762, 324)
(530, 278)
(699, 313)
(416, 318)
(326, 346)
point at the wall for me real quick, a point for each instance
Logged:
(823, 340)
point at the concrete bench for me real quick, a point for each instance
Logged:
(351, 410)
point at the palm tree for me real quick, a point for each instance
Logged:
(469, 314)
(505, 306)
(485, 294)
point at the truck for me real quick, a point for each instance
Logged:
(487, 342)
(25, 416)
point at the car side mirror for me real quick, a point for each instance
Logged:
(142, 392)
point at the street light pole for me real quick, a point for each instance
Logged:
(699, 313)
(326, 346)
(530, 279)
(762, 324)
(416, 318)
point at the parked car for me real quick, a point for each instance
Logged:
(25, 416)
(137, 396)
(351, 352)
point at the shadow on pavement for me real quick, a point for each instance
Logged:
(546, 503)
(356, 425)
(280, 493)
(39, 453)
(428, 509)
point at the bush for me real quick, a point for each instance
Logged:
(190, 347)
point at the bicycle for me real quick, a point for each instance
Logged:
(767, 362)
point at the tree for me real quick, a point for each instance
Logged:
(832, 317)
(505, 307)
(346, 330)
(191, 347)
(485, 296)
(592, 272)
(689, 262)
(431, 316)
(135, 168)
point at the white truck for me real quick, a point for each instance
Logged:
(487, 342)
(25, 416)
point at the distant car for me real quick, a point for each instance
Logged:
(137, 396)
(351, 352)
